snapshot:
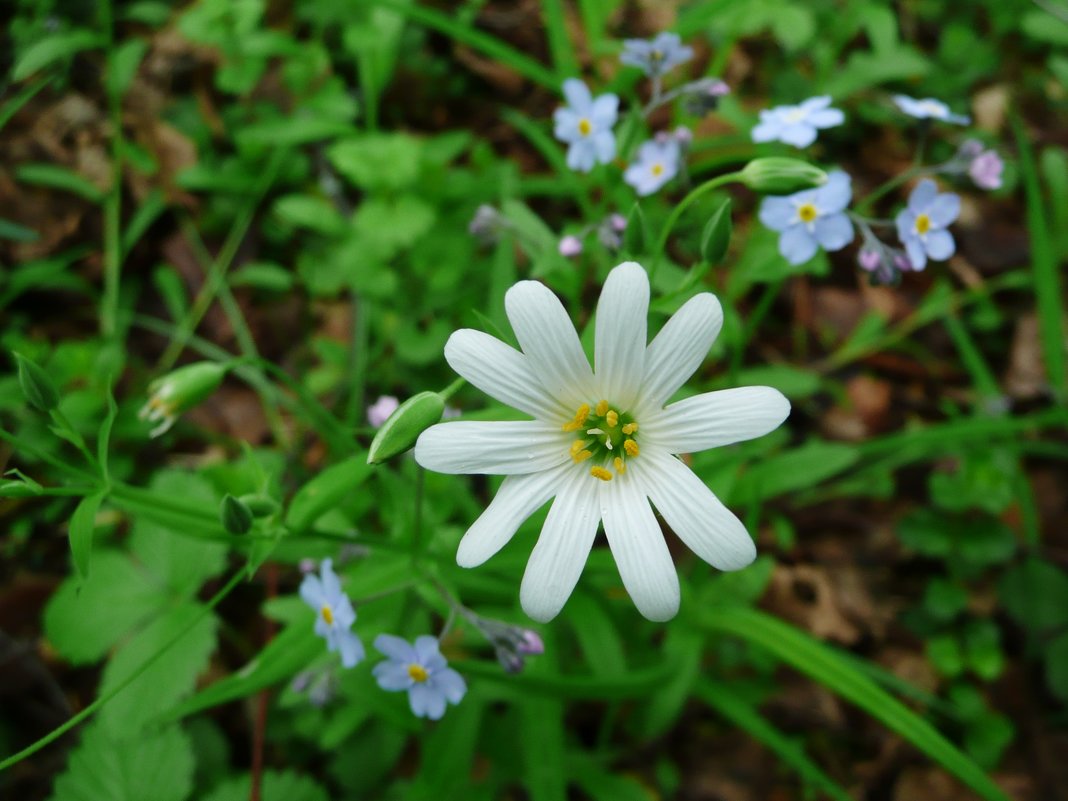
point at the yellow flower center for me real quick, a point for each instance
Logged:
(585, 127)
(417, 672)
(328, 614)
(807, 212)
(658, 170)
(607, 437)
(923, 224)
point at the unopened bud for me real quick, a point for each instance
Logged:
(530, 643)
(236, 517)
(36, 385)
(260, 505)
(404, 426)
(778, 175)
(178, 391)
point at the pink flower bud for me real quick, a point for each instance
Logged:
(570, 246)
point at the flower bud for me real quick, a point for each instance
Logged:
(530, 643)
(236, 517)
(178, 391)
(404, 426)
(570, 246)
(777, 175)
(36, 385)
(259, 505)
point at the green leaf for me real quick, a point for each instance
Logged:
(276, 786)
(982, 648)
(17, 233)
(378, 161)
(739, 713)
(449, 753)
(822, 663)
(946, 655)
(157, 766)
(944, 599)
(164, 682)
(311, 212)
(47, 51)
(263, 275)
(116, 597)
(181, 563)
(717, 234)
(82, 523)
(325, 491)
(1035, 594)
(1042, 26)
(291, 131)
(55, 177)
(123, 62)
(793, 382)
(796, 469)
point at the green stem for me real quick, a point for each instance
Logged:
(90, 710)
(451, 389)
(109, 306)
(685, 203)
(75, 437)
(219, 268)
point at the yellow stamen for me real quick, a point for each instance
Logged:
(585, 127)
(328, 614)
(657, 170)
(602, 408)
(621, 466)
(601, 473)
(923, 224)
(612, 418)
(417, 672)
(578, 451)
(631, 447)
(579, 420)
(807, 212)
(630, 428)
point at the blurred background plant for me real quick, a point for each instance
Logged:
(289, 192)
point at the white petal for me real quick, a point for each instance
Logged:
(678, 350)
(563, 547)
(517, 499)
(548, 339)
(718, 418)
(694, 513)
(619, 349)
(503, 373)
(497, 448)
(638, 547)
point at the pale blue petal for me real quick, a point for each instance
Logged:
(351, 649)
(395, 648)
(777, 213)
(826, 118)
(833, 232)
(393, 676)
(331, 584)
(604, 145)
(577, 95)
(798, 134)
(767, 130)
(797, 245)
(605, 111)
(834, 195)
(914, 248)
(906, 224)
(425, 702)
(922, 196)
(581, 155)
(940, 245)
(344, 614)
(311, 590)
(816, 103)
(450, 684)
(565, 124)
(944, 209)
(428, 653)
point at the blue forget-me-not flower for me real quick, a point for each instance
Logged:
(656, 56)
(334, 613)
(811, 219)
(420, 669)
(928, 108)
(921, 225)
(657, 163)
(797, 125)
(585, 124)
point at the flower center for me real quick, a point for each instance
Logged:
(795, 115)
(930, 109)
(606, 436)
(658, 170)
(807, 212)
(656, 55)
(923, 224)
(585, 127)
(328, 614)
(417, 672)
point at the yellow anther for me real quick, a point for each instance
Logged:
(578, 452)
(602, 408)
(621, 466)
(417, 672)
(923, 224)
(579, 420)
(601, 473)
(657, 170)
(585, 127)
(328, 614)
(630, 428)
(631, 447)
(807, 212)
(612, 418)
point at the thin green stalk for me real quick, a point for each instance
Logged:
(217, 273)
(25, 447)
(685, 203)
(356, 379)
(752, 322)
(972, 358)
(109, 306)
(92, 709)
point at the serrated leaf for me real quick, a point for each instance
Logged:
(275, 786)
(156, 766)
(167, 680)
(82, 523)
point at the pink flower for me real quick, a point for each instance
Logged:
(985, 170)
(570, 246)
(381, 409)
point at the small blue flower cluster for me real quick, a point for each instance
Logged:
(417, 668)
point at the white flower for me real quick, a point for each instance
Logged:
(602, 442)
